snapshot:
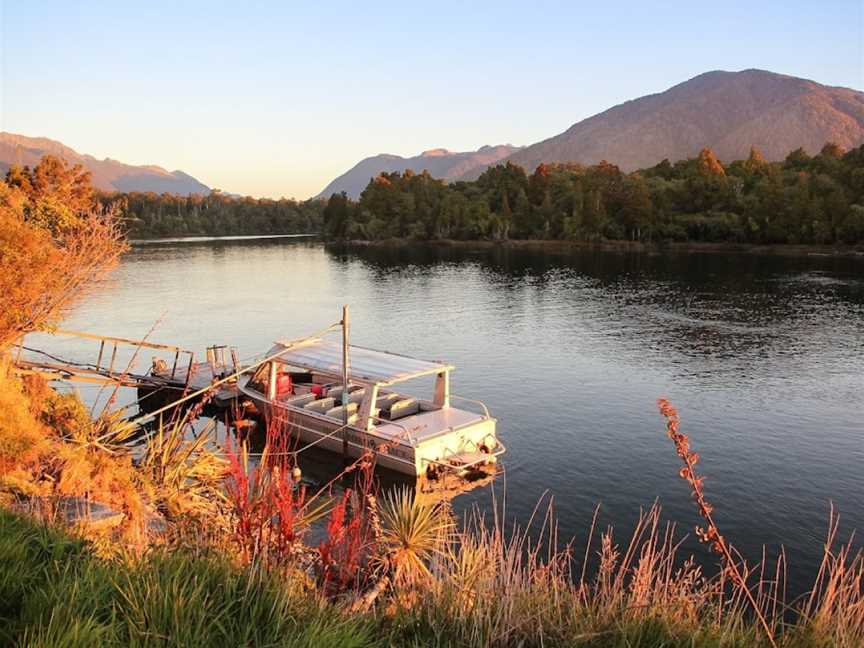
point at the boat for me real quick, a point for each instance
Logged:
(303, 385)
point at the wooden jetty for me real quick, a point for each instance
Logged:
(172, 373)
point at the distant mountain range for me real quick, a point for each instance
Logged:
(107, 174)
(440, 163)
(727, 111)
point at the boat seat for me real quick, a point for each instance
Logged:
(336, 412)
(300, 401)
(404, 407)
(384, 402)
(321, 405)
(336, 392)
(355, 396)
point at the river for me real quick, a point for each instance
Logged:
(762, 355)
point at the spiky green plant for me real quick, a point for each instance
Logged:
(412, 533)
(185, 476)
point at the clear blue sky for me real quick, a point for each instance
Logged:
(276, 99)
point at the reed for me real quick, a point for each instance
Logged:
(268, 513)
(710, 534)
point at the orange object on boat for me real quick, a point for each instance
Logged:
(284, 384)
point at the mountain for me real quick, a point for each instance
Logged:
(108, 174)
(727, 111)
(440, 163)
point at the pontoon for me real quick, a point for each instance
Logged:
(302, 386)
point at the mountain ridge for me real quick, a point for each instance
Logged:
(107, 174)
(726, 111)
(439, 162)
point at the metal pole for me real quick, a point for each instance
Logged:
(345, 329)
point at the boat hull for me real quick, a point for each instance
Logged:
(401, 454)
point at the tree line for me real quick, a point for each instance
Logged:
(149, 215)
(802, 199)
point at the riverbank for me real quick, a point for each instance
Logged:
(563, 247)
(54, 591)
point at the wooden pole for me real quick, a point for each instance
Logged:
(345, 330)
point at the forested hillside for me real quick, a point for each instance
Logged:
(728, 111)
(803, 199)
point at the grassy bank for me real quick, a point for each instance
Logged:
(54, 591)
(478, 590)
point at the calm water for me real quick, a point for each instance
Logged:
(763, 357)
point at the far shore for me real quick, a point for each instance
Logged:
(205, 239)
(780, 249)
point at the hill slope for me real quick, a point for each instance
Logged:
(440, 163)
(728, 111)
(108, 174)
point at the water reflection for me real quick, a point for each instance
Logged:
(735, 311)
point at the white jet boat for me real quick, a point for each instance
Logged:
(303, 383)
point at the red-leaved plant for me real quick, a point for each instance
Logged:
(266, 506)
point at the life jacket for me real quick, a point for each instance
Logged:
(284, 384)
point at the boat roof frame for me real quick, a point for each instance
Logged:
(365, 365)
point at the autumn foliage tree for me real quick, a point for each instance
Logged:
(55, 244)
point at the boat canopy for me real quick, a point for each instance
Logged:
(367, 365)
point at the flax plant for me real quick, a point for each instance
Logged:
(411, 535)
(184, 474)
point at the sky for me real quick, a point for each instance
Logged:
(277, 99)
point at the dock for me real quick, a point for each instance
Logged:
(173, 371)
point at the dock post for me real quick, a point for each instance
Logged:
(345, 330)
(99, 359)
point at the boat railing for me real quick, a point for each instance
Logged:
(398, 425)
(475, 402)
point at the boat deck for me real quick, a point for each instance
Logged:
(427, 425)
(203, 376)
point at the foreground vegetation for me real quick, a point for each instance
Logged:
(449, 587)
(207, 547)
(802, 200)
